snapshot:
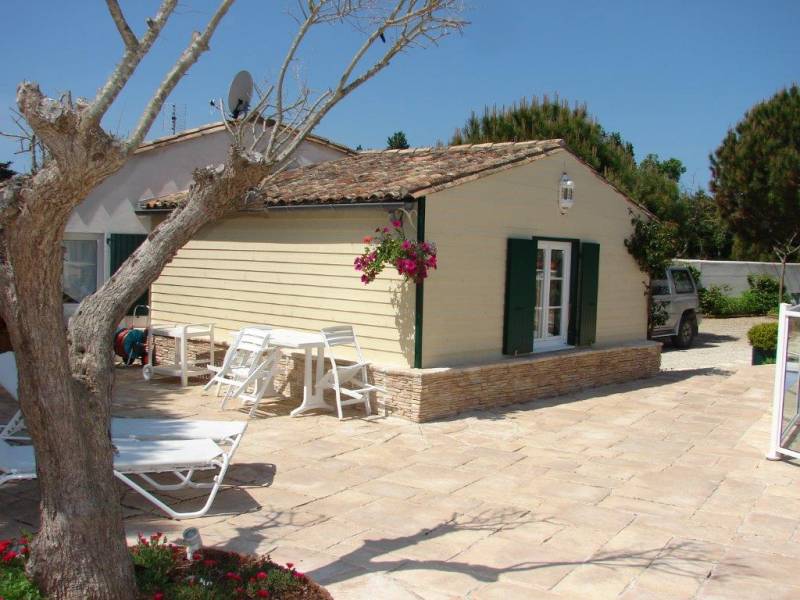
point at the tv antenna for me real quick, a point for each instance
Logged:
(240, 93)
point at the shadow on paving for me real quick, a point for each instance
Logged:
(662, 379)
(678, 558)
(703, 340)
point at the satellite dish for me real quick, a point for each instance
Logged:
(240, 93)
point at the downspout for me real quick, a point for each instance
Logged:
(420, 290)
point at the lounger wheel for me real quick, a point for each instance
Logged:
(147, 372)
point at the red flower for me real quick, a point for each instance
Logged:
(262, 594)
(9, 556)
(25, 550)
(4, 545)
(233, 576)
(197, 556)
(261, 575)
(368, 239)
(158, 596)
(290, 565)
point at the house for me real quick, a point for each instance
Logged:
(107, 226)
(532, 297)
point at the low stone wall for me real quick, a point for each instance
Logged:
(428, 394)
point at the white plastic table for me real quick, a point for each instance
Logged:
(181, 367)
(301, 340)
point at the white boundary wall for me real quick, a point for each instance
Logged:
(734, 273)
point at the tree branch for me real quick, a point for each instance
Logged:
(130, 40)
(127, 65)
(198, 45)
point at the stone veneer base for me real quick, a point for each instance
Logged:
(427, 394)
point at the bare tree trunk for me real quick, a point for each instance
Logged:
(783, 257)
(79, 551)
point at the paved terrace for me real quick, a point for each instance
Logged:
(651, 490)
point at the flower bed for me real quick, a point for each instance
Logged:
(164, 572)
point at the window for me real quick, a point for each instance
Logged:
(80, 268)
(551, 312)
(683, 282)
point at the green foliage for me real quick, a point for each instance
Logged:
(756, 175)
(397, 141)
(14, 584)
(163, 572)
(653, 183)
(6, 172)
(760, 299)
(653, 245)
(764, 336)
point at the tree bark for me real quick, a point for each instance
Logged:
(79, 551)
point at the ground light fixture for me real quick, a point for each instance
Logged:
(566, 193)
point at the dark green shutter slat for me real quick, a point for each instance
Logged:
(587, 289)
(572, 327)
(120, 247)
(520, 296)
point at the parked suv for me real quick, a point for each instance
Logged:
(678, 295)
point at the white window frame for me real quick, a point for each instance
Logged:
(550, 343)
(99, 238)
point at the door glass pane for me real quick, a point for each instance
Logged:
(557, 263)
(80, 269)
(554, 321)
(556, 286)
(790, 436)
(537, 314)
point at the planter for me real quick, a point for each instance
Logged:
(763, 357)
(164, 572)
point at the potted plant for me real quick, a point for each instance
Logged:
(764, 340)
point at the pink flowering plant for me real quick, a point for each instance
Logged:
(413, 260)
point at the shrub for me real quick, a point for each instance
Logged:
(163, 572)
(764, 336)
(760, 299)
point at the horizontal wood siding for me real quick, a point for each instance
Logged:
(471, 224)
(292, 270)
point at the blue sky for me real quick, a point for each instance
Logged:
(672, 77)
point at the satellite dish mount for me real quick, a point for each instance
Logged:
(240, 94)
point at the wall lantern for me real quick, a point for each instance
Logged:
(566, 193)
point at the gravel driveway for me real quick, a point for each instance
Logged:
(721, 343)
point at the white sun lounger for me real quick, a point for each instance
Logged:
(142, 459)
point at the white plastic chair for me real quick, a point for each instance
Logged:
(248, 369)
(351, 374)
(242, 355)
(140, 458)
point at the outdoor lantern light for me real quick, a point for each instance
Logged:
(566, 193)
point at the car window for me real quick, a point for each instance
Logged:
(683, 282)
(660, 287)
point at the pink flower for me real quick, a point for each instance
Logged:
(261, 575)
(406, 245)
(262, 594)
(158, 596)
(290, 565)
(397, 224)
(4, 545)
(9, 556)
(368, 239)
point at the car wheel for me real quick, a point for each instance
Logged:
(686, 332)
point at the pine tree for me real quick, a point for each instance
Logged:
(756, 176)
(397, 141)
(6, 172)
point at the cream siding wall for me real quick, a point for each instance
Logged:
(290, 269)
(470, 223)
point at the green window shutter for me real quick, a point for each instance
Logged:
(587, 293)
(520, 296)
(120, 247)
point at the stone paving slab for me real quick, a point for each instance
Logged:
(650, 490)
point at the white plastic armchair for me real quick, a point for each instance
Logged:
(249, 368)
(350, 380)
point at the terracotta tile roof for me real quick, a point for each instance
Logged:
(390, 175)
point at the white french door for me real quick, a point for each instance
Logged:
(551, 317)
